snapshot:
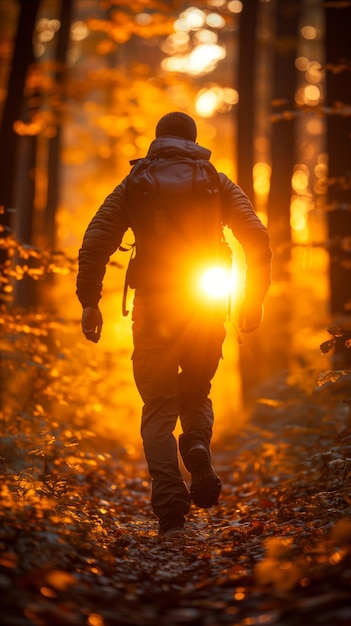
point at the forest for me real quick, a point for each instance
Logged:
(82, 86)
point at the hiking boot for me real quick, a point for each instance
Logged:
(173, 533)
(170, 527)
(205, 484)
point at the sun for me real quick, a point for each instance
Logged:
(215, 282)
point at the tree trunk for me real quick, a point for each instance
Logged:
(246, 107)
(338, 53)
(22, 58)
(54, 147)
(250, 376)
(283, 134)
(25, 290)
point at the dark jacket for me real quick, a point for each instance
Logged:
(105, 231)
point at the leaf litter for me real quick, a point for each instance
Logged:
(79, 543)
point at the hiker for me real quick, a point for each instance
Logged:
(176, 204)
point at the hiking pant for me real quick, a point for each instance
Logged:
(173, 366)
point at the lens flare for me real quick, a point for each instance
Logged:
(215, 282)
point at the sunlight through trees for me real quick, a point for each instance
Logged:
(82, 86)
(89, 105)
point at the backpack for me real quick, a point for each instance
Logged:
(174, 207)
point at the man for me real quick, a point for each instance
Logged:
(177, 336)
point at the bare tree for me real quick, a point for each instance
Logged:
(55, 142)
(246, 107)
(283, 133)
(21, 61)
(338, 65)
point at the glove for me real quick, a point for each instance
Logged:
(250, 315)
(92, 323)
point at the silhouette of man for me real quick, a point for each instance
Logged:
(177, 336)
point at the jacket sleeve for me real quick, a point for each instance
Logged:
(101, 239)
(239, 215)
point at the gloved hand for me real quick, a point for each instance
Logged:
(92, 323)
(250, 315)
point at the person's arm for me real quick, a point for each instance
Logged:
(101, 239)
(239, 215)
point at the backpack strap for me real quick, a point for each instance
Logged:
(126, 282)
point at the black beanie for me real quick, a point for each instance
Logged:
(178, 125)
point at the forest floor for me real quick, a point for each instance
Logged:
(79, 544)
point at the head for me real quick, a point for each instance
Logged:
(177, 124)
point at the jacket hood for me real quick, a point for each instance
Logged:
(169, 145)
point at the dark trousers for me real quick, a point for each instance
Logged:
(173, 364)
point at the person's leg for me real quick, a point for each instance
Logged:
(200, 353)
(199, 360)
(155, 367)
